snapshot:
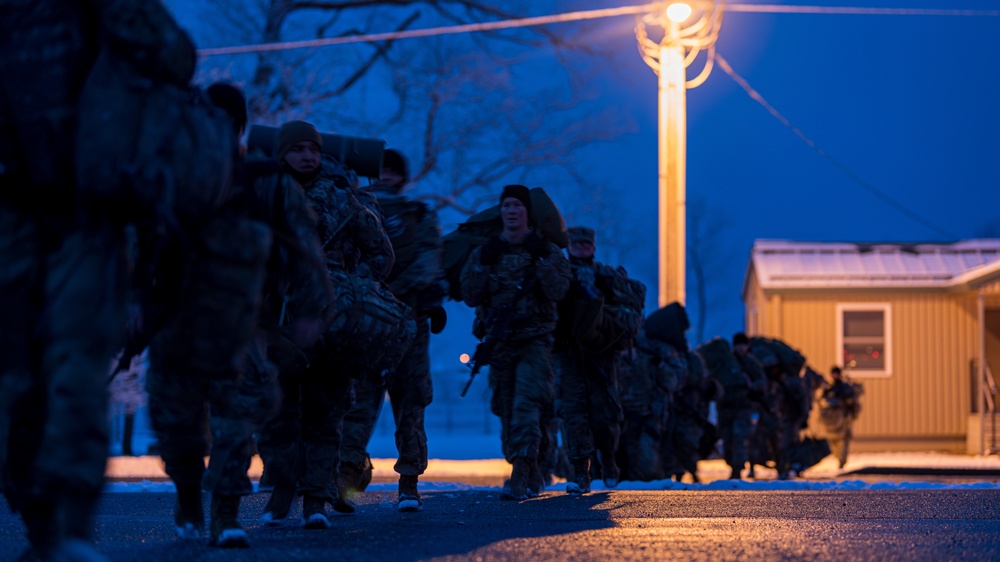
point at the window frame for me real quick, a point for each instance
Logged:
(886, 310)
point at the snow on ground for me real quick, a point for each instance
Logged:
(713, 473)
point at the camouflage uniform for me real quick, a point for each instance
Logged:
(689, 413)
(63, 279)
(652, 372)
(736, 412)
(521, 374)
(416, 279)
(587, 394)
(242, 396)
(302, 442)
(840, 408)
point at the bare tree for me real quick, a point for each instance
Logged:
(707, 257)
(469, 110)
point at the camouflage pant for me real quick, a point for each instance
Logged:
(735, 426)
(840, 442)
(765, 439)
(521, 380)
(686, 437)
(587, 402)
(641, 455)
(302, 442)
(410, 392)
(234, 403)
(62, 309)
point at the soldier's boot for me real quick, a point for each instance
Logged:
(314, 513)
(189, 515)
(581, 477)
(352, 479)
(536, 482)
(44, 532)
(409, 498)
(609, 470)
(226, 529)
(266, 483)
(279, 504)
(518, 489)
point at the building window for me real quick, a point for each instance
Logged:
(863, 339)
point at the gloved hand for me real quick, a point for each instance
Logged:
(538, 246)
(439, 318)
(491, 250)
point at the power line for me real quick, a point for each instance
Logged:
(724, 65)
(435, 31)
(778, 9)
(574, 16)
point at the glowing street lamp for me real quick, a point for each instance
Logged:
(669, 58)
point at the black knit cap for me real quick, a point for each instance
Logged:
(295, 132)
(394, 160)
(519, 192)
(230, 99)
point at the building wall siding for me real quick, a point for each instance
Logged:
(933, 338)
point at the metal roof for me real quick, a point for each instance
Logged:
(783, 264)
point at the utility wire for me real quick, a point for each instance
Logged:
(434, 31)
(575, 16)
(724, 65)
(778, 9)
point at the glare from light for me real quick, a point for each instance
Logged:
(464, 358)
(678, 12)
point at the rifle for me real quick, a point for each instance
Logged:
(500, 330)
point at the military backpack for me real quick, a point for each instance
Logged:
(479, 228)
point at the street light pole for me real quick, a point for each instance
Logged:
(669, 58)
(672, 168)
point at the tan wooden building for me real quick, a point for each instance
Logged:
(912, 322)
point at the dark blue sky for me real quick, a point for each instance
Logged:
(908, 103)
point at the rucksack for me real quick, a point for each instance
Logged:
(46, 47)
(149, 146)
(622, 315)
(371, 329)
(721, 364)
(776, 353)
(479, 228)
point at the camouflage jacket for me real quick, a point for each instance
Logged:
(653, 375)
(350, 232)
(297, 285)
(492, 288)
(754, 371)
(417, 276)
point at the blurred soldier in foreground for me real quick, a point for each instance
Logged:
(839, 407)
(521, 273)
(63, 280)
(294, 296)
(587, 393)
(417, 279)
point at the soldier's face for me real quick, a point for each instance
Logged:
(304, 157)
(392, 177)
(514, 214)
(581, 249)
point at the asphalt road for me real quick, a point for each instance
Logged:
(605, 526)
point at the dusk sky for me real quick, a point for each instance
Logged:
(907, 103)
